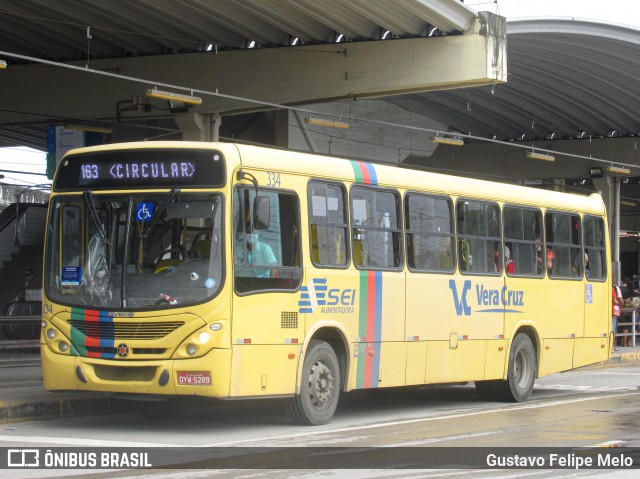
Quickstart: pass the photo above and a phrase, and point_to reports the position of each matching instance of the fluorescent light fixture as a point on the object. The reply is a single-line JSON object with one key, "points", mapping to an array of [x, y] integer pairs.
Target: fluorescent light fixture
{"points": [[3, 64], [168, 95], [540, 156], [618, 170], [323, 122], [628, 203], [445, 140], [596, 172], [91, 128]]}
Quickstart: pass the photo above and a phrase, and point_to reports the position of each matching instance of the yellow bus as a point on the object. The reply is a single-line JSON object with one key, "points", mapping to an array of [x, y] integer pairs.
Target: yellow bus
{"points": [[234, 271]]}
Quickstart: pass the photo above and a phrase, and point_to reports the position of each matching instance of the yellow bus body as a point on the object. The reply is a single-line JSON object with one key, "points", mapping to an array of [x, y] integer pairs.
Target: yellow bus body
{"points": [[419, 338]]}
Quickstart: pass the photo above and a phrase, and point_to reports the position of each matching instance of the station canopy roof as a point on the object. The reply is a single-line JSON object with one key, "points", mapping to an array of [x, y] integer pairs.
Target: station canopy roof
{"points": [[568, 78]]}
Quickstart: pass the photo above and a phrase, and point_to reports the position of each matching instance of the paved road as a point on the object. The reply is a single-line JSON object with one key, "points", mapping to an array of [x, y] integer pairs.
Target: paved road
{"points": [[585, 408]]}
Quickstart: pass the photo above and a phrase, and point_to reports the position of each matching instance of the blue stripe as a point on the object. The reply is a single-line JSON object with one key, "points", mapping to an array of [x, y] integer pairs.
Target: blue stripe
{"points": [[372, 173]]}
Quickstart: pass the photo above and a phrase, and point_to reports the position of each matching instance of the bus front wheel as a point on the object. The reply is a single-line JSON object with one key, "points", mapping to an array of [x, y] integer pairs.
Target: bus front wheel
{"points": [[320, 386]]}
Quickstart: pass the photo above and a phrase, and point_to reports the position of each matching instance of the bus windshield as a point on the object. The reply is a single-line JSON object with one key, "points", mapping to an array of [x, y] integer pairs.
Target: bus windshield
{"points": [[134, 251]]}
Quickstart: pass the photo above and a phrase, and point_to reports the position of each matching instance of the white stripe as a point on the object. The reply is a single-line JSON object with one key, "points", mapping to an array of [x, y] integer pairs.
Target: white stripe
{"points": [[427, 419]]}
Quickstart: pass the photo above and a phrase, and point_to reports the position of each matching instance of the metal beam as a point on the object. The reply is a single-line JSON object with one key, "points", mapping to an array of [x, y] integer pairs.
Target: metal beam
{"points": [[288, 75]]}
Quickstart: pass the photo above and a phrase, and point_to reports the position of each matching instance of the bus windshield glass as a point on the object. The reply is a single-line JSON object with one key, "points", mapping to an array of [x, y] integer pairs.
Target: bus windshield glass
{"points": [[134, 252]]}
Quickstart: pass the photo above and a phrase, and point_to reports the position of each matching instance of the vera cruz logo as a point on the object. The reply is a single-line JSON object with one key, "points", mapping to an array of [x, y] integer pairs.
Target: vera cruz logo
{"points": [[502, 300], [460, 301], [331, 301]]}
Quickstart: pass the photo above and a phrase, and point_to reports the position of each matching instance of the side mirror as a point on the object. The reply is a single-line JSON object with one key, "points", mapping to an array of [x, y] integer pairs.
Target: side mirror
{"points": [[261, 212]]}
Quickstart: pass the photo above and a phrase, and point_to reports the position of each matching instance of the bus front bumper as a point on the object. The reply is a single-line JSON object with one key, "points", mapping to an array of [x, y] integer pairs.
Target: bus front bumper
{"points": [[208, 375]]}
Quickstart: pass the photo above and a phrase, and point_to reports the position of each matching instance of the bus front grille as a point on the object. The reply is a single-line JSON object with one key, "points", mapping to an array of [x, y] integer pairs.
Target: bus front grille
{"points": [[125, 373], [125, 330]]}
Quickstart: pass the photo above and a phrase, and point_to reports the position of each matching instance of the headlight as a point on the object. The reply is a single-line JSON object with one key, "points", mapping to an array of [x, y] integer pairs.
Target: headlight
{"points": [[191, 349], [51, 334]]}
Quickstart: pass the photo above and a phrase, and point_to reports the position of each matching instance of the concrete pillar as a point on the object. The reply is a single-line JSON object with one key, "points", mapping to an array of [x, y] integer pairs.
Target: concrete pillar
{"points": [[198, 126]]}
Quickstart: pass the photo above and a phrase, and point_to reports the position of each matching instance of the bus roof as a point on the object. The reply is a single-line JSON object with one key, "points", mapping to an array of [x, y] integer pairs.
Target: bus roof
{"points": [[343, 169]]}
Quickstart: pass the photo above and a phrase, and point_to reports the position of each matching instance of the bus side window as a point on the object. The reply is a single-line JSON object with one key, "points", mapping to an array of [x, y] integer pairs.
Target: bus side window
{"points": [[266, 258], [564, 241], [328, 224], [594, 248], [479, 239], [376, 228], [522, 233], [429, 230]]}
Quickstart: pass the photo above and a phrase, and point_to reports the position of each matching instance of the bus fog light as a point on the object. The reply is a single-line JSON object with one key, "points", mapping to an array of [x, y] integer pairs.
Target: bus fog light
{"points": [[204, 338], [51, 333], [191, 349], [215, 327], [63, 346]]}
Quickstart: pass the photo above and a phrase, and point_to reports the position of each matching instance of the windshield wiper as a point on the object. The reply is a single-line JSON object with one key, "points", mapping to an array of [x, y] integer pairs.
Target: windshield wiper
{"points": [[168, 200], [93, 212]]}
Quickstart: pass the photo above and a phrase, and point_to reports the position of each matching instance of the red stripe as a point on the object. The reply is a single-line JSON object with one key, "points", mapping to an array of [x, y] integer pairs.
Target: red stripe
{"points": [[366, 179], [91, 354], [91, 315]]}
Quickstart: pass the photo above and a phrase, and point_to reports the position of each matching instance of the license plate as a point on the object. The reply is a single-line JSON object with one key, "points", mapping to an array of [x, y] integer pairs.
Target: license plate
{"points": [[194, 378]]}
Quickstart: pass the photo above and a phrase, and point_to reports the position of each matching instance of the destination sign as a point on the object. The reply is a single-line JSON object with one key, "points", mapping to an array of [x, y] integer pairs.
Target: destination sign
{"points": [[159, 170], [141, 168]]}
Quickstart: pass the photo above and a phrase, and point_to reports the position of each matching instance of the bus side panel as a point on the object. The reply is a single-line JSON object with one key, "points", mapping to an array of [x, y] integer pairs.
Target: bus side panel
{"points": [[429, 304], [597, 324], [416, 362], [453, 361], [587, 348], [495, 359], [556, 356], [264, 370]]}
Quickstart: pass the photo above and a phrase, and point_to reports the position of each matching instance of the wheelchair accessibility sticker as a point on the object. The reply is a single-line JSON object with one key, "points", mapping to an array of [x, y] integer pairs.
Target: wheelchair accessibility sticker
{"points": [[144, 211]]}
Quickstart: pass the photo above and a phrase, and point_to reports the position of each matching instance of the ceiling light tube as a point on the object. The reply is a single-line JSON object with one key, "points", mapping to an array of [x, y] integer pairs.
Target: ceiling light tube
{"points": [[91, 128], [329, 123], [618, 170], [445, 140], [628, 203], [167, 95], [540, 156], [3, 64]]}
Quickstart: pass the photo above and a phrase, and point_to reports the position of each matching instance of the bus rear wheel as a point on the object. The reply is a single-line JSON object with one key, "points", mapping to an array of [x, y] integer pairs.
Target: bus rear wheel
{"points": [[520, 377], [320, 387]]}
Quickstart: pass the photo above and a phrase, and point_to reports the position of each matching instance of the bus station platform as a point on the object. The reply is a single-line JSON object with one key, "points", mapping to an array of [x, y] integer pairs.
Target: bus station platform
{"points": [[23, 397]]}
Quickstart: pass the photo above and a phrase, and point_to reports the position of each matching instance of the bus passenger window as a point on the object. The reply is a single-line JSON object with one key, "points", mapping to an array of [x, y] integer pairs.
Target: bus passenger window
{"points": [[522, 233], [328, 224], [594, 248], [564, 240], [376, 228], [479, 237], [429, 223]]}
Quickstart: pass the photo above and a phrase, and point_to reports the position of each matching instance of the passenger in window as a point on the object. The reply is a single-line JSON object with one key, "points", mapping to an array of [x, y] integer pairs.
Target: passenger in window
{"points": [[538, 255], [259, 253], [509, 264], [550, 258], [587, 266]]}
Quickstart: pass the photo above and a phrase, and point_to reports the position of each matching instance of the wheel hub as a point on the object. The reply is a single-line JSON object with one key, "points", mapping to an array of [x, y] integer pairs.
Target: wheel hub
{"points": [[320, 384]]}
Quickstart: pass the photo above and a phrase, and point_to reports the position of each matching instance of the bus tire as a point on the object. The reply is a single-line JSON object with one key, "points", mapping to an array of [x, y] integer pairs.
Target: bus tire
{"points": [[522, 371], [319, 388], [487, 390]]}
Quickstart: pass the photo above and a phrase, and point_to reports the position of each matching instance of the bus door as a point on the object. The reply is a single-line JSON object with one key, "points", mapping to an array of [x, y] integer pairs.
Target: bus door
{"points": [[267, 328]]}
